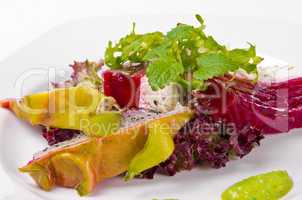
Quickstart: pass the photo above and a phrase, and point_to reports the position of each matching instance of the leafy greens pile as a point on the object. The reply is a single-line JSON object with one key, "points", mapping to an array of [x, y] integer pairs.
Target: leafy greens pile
{"points": [[185, 55]]}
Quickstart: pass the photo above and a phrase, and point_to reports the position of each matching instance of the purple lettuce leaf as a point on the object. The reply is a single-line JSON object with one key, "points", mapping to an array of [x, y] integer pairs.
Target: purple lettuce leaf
{"points": [[57, 135], [204, 141], [84, 73]]}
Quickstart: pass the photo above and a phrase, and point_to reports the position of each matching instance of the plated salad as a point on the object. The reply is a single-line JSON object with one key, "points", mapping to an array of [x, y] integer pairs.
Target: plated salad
{"points": [[158, 103]]}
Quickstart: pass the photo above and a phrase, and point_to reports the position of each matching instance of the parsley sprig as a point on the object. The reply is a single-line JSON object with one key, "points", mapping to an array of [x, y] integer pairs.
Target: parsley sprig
{"points": [[183, 50]]}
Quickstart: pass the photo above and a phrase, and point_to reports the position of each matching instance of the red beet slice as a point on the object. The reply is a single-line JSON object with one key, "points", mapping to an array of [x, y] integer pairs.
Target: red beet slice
{"points": [[123, 87], [270, 107]]}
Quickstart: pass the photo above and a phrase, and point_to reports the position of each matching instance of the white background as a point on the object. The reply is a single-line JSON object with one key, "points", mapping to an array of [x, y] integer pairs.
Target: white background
{"points": [[22, 21]]}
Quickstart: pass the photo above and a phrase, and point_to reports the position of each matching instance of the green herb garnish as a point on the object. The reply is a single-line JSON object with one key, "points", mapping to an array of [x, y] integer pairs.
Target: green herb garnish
{"points": [[183, 50]]}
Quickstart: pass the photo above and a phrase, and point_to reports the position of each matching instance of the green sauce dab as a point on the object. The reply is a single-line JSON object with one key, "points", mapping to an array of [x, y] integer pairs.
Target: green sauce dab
{"points": [[269, 186]]}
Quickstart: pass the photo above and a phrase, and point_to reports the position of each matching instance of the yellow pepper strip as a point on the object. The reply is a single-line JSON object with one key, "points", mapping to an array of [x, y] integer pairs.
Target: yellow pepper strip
{"points": [[158, 148]]}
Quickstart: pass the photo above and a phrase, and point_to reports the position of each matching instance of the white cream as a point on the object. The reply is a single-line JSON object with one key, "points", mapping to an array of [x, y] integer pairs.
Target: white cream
{"points": [[275, 70], [164, 100]]}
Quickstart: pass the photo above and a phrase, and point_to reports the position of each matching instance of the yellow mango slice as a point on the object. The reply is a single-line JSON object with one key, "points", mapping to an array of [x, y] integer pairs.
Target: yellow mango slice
{"points": [[86, 162], [41, 175], [74, 171], [67, 108]]}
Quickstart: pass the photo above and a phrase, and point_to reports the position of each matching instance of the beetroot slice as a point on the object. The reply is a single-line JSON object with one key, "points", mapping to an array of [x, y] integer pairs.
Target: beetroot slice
{"points": [[269, 107], [123, 87]]}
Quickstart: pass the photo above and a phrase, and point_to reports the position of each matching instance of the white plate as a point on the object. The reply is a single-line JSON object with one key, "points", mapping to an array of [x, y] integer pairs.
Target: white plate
{"points": [[87, 38]]}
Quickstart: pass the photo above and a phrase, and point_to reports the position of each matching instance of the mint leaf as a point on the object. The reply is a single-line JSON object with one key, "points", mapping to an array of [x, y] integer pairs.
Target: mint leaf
{"points": [[213, 65], [113, 61], [185, 32], [200, 20], [181, 32], [163, 71], [212, 45], [189, 42], [136, 51], [184, 50], [161, 51], [245, 58], [132, 47]]}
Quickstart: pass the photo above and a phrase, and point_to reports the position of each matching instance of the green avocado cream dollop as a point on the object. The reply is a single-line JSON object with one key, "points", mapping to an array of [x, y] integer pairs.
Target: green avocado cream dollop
{"points": [[269, 186]]}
